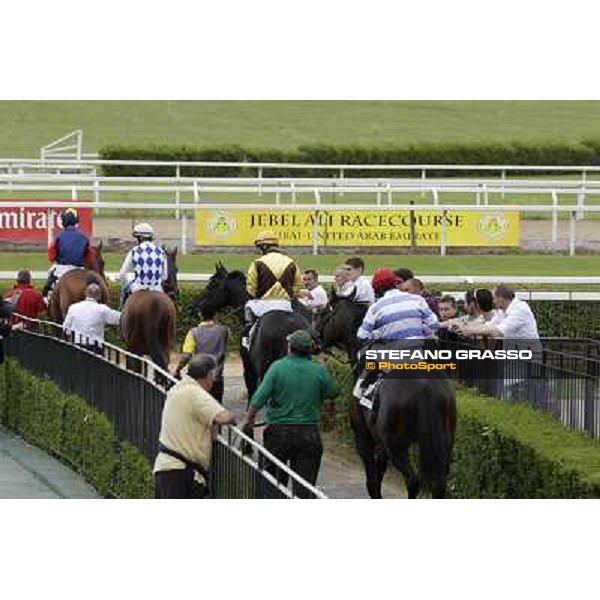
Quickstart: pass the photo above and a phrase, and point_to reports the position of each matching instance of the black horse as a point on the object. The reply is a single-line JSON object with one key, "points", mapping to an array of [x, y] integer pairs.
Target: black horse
{"points": [[338, 325], [228, 289], [409, 411]]}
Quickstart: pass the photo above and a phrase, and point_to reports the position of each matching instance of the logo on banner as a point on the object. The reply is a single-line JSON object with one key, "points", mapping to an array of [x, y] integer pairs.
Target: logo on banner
{"points": [[221, 225], [493, 226], [32, 224]]}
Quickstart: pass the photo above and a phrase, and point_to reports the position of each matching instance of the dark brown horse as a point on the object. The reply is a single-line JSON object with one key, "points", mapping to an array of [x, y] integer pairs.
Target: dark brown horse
{"points": [[71, 286], [148, 318], [408, 412]]}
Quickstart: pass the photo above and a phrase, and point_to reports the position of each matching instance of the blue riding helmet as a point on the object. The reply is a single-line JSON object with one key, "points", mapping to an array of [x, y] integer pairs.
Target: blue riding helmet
{"points": [[69, 218]]}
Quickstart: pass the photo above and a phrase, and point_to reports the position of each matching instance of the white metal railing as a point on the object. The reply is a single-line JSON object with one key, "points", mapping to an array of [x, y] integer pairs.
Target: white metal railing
{"points": [[436, 279], [67, 147], [340, 168], [114, 357]]}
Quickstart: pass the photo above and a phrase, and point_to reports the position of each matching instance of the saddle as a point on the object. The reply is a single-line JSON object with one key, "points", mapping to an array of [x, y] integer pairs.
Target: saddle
{"points": [[367, 392]]}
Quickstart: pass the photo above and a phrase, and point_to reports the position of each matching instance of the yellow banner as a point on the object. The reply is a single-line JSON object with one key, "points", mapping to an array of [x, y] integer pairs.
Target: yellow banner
{"points": [[357, 228]]}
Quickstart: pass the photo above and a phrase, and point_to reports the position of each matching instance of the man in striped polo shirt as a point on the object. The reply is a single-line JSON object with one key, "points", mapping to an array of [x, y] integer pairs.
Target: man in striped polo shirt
{"points": [[395, 317]]}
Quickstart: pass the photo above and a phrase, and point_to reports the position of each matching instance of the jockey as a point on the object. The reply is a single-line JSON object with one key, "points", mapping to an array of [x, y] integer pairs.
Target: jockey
{"points": [[273, 280], [147, 260], [397, 318], [69, 250]]}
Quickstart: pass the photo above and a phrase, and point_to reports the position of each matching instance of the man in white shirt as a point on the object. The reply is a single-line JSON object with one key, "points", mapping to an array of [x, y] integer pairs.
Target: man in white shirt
{"points": [[364, 289], [86, 319], [313, 296], [516, 325], [513, 321]]}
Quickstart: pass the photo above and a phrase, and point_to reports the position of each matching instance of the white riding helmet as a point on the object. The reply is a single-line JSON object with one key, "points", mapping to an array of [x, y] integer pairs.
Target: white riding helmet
{"points": [[143, 230]]}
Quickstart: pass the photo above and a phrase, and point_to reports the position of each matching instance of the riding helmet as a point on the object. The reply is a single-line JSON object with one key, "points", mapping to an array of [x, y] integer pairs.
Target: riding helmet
{"points": [[143, 230], [384, 278], [266, 238], [69, 217]]}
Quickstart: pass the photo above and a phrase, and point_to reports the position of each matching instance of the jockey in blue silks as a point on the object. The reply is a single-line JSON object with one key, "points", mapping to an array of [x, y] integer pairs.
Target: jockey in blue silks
{"points": [[69, 250], [147, 260]]}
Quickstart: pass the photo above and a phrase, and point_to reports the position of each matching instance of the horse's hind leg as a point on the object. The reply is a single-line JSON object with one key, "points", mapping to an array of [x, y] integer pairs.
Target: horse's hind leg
{"points": [[374, 467], [401, 460], [373, 471]]}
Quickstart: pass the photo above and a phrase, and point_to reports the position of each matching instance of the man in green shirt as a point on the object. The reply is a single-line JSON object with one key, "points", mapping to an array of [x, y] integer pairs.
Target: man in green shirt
{"points": [[292, 392]]}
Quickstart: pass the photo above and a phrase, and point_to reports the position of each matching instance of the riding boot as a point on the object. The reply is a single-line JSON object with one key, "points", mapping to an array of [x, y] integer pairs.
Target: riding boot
{"points": [[250, 320], [125, 292], [52, 279]]}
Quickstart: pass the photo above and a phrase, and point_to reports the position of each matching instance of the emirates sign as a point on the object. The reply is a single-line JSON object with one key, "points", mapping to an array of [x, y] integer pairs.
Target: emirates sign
{"points": [[31, 224]]}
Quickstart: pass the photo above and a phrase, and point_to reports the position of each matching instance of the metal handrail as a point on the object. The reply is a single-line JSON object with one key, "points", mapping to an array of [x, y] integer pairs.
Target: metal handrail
{"points": [[308, 207], [325, 167], [151, 367]]}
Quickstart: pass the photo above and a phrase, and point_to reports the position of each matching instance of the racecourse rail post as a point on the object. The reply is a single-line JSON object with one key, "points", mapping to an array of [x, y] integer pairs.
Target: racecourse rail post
{"points": [[341, 182], [444, 233], [196, 193], [423, 180], [436, 197], [315, 240], [50, 220], [572, 233], [177, 190], [413, 236], [554, 216], [183, 233], [260, 176], [96, 194]]}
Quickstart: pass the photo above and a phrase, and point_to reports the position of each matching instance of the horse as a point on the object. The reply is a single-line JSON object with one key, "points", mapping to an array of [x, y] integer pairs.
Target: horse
{"points": [[70, 288], [337, 326], [407, 412], [148, 318], [228, 289]]}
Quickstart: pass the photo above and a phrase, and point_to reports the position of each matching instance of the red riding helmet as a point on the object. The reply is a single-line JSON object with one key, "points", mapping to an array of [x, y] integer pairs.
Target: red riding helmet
{"points": [[384, 278]]}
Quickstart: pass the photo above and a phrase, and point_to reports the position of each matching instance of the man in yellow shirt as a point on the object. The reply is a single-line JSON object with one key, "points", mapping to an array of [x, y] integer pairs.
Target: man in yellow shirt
{"points": [[181, 469], [273, 280]]}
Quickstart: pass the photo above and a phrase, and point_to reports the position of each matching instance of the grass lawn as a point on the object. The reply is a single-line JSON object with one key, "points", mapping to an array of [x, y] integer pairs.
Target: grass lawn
{"points": [[28, 125], [525, 265]]}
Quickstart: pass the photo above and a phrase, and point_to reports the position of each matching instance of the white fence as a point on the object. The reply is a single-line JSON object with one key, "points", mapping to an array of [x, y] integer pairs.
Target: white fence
{"points": [[262, 168], [472, 280]]}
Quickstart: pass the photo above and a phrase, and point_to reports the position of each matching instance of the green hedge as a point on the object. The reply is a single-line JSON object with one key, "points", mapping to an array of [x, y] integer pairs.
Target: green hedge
{"points": [[66, 426], [512, 451], [505, 450], [587, 152]]}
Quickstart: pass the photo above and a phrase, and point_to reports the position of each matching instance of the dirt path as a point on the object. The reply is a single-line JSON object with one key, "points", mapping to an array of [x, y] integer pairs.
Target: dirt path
{"points": [[341, 474]]}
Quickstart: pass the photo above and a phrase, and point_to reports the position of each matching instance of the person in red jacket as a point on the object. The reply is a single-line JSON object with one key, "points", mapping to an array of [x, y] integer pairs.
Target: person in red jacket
{"points": [[27, 301]]}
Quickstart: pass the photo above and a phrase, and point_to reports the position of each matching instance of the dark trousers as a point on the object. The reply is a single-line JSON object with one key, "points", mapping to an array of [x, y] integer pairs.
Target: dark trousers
{"points": [[298, 446], [178, 484], [216, 391]]}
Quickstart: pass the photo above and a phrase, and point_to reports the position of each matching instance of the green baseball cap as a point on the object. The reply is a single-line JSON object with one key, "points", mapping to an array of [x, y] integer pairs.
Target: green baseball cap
{"points": [[300, 339]]}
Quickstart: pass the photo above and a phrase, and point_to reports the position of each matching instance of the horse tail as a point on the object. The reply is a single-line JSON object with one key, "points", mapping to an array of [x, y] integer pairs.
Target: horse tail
{"points": [[152, 329], [434, 445]]}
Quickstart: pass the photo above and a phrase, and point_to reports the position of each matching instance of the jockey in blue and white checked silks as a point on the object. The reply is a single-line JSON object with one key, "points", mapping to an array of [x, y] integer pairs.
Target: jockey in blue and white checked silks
{"points": [[147, 260]]}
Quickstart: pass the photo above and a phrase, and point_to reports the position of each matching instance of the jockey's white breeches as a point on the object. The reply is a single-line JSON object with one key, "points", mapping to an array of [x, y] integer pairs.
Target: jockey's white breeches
{"points": [[60, 270], [260, 307], [136, 286]]}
